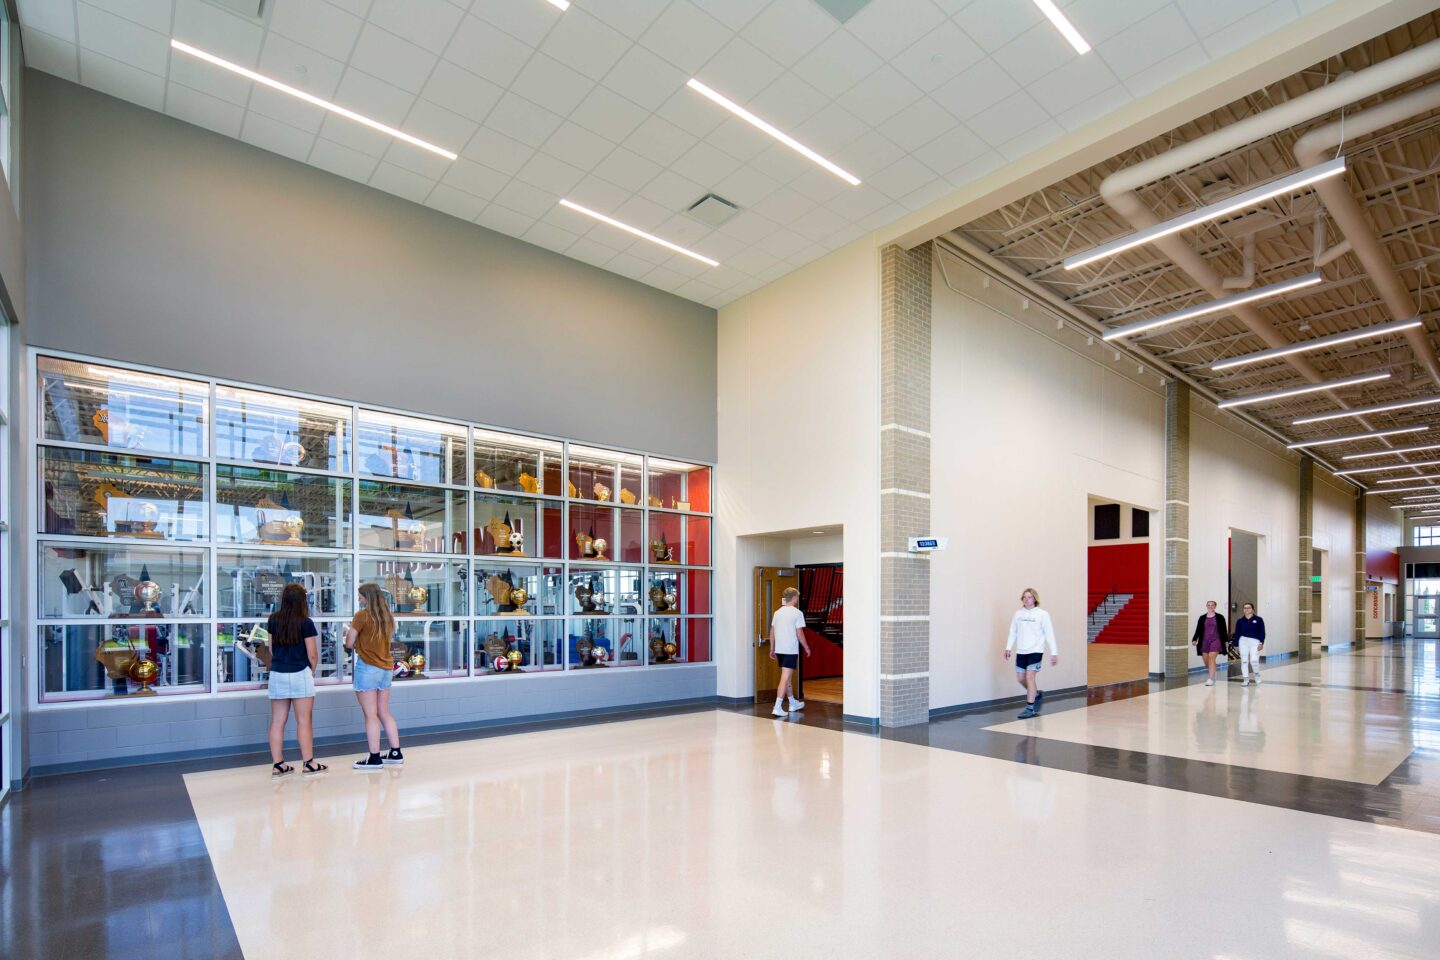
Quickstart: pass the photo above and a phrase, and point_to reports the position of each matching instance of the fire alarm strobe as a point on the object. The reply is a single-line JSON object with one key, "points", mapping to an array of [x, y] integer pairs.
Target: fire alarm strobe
{"points": [[928, 544]]}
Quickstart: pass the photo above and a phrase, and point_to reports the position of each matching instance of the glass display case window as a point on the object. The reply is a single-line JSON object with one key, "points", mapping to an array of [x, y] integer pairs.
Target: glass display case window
{"points": [[249, 582], [594, 643], [518, 645], [606, 476], [514, 464], [679, 486], [408, 448], [87, 493], [394, 516], [129, 410], [276, 509], [517, 589], [101, 660], [516, 527], [430, 648], [697, 541], [275, 429], [600, 533], [604, 591], [81, 580], [678, 640], [242, 658], [420, 588]]}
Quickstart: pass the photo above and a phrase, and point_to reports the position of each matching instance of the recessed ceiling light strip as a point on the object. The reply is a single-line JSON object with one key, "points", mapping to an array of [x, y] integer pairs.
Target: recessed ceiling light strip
{"points": [[1301, 391], [1393, 451], [308, 98], [639, 233], [1216, 306], [783, 137], [1294, 183], [1320, 343], [1063, 24], [1353, 437], [1365, 411]]}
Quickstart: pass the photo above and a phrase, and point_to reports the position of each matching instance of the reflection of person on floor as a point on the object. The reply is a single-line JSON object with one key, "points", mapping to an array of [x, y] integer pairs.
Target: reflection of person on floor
{"points": [[1030, 633], [1251, 736], [786, 638], [1211, 734], [1031, 787], [1209, 639], [1250, 634]]}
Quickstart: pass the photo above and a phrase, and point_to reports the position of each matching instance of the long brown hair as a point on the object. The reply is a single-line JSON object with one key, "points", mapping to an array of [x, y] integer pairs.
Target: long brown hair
{"points": [[287, 624], [379, 610]]}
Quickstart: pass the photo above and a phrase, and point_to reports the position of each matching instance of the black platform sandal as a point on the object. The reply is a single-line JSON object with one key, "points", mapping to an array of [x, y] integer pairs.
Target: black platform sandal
{"points": [[312, 768], [280, 769]]}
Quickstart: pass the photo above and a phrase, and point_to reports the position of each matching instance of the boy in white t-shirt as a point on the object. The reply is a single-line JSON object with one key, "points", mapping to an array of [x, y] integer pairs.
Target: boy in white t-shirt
{"points": [[786, 638]]}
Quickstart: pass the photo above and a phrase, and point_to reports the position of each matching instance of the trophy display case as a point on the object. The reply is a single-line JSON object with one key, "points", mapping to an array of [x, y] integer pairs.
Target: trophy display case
{"points": [[511, 463], [517, 589], [678, 640], [524, 645], [665, 539], [88, 493], [420, 588], [243, 654], [604, 591], [139, 659], [606, 642], [506, 526], [394, 516], [278, 509], [270, 428], [114, 580], [429, 648], [605, 476], [679, 486], [407, 448], [248, 583], [120, 409], [697, 541], [693, 592], [601, 534]]}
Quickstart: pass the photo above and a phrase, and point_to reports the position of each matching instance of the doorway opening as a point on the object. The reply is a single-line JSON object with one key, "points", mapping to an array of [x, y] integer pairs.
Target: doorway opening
{"points": [[822, 598], [1117, 625], [1318, 619], [812, 561], [1244, 581]]}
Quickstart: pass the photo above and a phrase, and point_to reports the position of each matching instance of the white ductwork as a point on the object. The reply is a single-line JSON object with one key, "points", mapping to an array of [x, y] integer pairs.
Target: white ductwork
{"points": [[1351, 220]]}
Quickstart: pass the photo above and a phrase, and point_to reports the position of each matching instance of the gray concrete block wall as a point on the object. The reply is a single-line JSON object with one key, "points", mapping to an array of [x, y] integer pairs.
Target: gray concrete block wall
{"points": [[1361, 596], [1177, 530], [1304, 596], [110, 733]]}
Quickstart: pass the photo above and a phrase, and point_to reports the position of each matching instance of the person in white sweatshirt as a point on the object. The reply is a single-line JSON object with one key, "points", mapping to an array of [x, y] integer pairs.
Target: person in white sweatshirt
{"points": [[1030, 633]]}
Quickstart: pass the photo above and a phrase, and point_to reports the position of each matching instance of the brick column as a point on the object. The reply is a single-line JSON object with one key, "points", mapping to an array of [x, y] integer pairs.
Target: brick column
{"points": [[1307, 555], [904, 484], [1361, 597], [1177, 531]]}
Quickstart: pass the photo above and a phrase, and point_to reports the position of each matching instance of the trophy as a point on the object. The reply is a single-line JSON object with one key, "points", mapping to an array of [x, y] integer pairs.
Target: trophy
{"points": [[661, 650], [591, 546], [483, 479], [602, 492], [143, 671], [416, 663], [509, 599], [530, 484], [292, 454], [117, 662], [277, 524], [115, 429], [509, 542], [654, 501], [591, 599], [148, 593], [496, 653], [626, 497], [661, 602], [570, 486], [516, 658], [417, 596], [131, 517], [661, 551], [408, 532]]}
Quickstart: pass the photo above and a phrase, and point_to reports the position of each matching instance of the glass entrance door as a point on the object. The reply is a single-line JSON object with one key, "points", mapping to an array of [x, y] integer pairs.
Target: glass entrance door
{"points": [[1425, 609]]}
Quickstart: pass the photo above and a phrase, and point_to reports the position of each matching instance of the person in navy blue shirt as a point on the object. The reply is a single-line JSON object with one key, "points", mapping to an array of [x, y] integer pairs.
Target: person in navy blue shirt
{"points": [[1250, 634]]}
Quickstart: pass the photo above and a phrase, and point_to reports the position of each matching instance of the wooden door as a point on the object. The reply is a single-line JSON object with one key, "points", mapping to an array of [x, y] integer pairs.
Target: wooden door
{"points": [[770, 583]]}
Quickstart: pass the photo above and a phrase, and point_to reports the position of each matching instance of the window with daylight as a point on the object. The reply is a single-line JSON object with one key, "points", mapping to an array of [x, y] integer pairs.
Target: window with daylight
{"points": [[1425, 537]]}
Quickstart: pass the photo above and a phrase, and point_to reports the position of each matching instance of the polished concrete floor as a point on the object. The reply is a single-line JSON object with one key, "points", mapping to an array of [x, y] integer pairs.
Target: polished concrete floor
{"points": [[718, 833]]}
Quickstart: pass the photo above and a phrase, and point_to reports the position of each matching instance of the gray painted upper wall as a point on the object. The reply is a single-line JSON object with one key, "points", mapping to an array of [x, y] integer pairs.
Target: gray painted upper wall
{"points": [[155, 241]]}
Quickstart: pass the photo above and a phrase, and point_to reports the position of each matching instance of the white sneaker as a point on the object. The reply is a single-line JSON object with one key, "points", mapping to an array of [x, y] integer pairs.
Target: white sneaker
{"points": [[1257, 679], [779, 710], [1209, 683], [797, 704], [1245, 682]]}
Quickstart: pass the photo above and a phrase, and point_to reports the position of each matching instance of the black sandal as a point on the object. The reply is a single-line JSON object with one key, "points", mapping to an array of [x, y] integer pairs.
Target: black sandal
{"points": [[311, 767], [280, 769]]}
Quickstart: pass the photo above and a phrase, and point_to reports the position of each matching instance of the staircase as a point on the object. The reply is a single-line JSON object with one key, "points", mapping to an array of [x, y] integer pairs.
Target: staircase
{"points": [[1119, 618]]}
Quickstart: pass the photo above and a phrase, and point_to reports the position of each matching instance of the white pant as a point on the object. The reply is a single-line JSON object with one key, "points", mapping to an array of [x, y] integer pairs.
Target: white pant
{"points": [[1249, 654]]}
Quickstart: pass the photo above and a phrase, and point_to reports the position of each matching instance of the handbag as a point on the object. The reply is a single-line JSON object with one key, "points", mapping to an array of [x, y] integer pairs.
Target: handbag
{"points": [[1232, 649]]}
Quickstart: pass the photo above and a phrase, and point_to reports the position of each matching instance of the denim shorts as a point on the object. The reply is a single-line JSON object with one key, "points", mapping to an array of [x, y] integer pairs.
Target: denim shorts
{"points": [[369, 677], [292, 686]]}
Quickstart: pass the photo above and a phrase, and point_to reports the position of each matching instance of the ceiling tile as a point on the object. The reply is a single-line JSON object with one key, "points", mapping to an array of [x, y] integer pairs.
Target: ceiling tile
{"points": [[154, 14], [787, 103], [740, 70], [1036, 52], [780, 163], [903, 176], [630, 17], [735, 14], [782, 242], [461, 91], [51, 55], [1160, 35], [1096, 107], [528, 20], [457, 203], [627, 169], [685, 36], [373, 97], [642, 213], [549, 174], [871, 152], [401, 182], [426, 23], [524, 121], [598, 194], [1099, 20], [889, 26], [286, 109], [578, 146], [672, 191], [644, 78], [746, 187], [396, 61], [857, 203], [1167, 71], [739, 139], [121, 40], [1204, 16], [316, 24], [917, 124], [47, 16], [361, 8], [497, 151], [203, 110], [217, 31], [784, 205], [504, 220], [1031, 140], [748, 226], [432, 122], [697, 289], [342, 160], [608, 114], [838, 63], [819, 185], [885, 215], [880, 96], [1008, 118], [977, 168], [789, 29], [975, 89], [1072, 84], [198, 75], [426, 164], [550, 237], [1266, 19], [277, 137], [692, 113], [487, 52], [938, 56], [301, 67], [550, 83], [474, 179], [591, 252], [687, 232], [355, 136], [953, 148], [994, 23], [122, 80], [523, 198], [659, 140], [584, 43], [705, 164], [629, 265]]}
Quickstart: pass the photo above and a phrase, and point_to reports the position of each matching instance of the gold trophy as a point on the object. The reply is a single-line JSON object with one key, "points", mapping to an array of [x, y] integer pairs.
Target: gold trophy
{"points": [[661, 602], [417, 596], [416, 663], [495, 652], [143, 671], [530, 484], [508, 541], [602, 492], [509, 600], [135, 518], [661, 551], [148, 593], [408, 532], [483, 479], [278, 525], [626, 497], [654, 501], [661, 650]]}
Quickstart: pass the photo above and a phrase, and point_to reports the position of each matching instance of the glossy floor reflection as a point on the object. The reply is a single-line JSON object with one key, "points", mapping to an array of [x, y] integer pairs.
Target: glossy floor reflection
{"points": [[711, 835]]}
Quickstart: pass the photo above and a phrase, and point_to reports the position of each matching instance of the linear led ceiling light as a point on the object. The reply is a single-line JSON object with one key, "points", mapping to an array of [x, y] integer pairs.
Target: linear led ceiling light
{"points": [[562, 4], [1380, 329], [784, 138], [1365, 411], [1388, 466], [639, 233], [1434, 490], [308, 98], [1216, 306], [1066, 28], [1391, 452], [1308, 388], [1352, 437], [1422, 476], [1294, 183]]}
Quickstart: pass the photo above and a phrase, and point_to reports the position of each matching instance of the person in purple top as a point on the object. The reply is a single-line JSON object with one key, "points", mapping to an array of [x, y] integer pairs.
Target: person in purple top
{"points": [[1209, 639]]}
